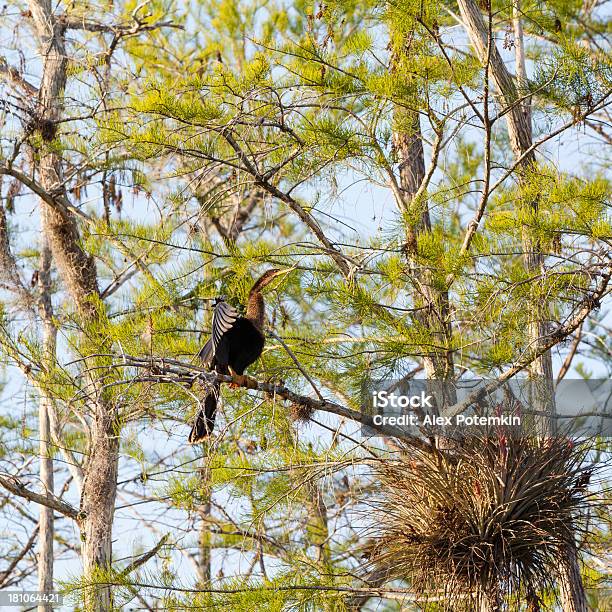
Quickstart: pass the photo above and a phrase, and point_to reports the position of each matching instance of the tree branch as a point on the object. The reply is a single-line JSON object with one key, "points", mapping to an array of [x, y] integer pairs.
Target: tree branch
{"points": [[15, 486], [8, 266], [145, 557], [178, 372], [24, 551], [122, 29], [263, 182], [10, 74], [57, 201], [557, 335]]}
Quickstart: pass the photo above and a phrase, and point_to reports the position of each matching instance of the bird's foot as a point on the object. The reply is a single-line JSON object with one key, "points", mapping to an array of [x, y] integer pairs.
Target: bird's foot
{"points": [[239, 381]]}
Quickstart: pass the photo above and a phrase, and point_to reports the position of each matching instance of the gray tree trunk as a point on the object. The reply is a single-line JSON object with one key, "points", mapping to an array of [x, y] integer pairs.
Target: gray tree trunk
{"points": [[45, 538], [78, 272], [571, 590], [52, 85], [518, 120], [205, 556], [46, 527]]}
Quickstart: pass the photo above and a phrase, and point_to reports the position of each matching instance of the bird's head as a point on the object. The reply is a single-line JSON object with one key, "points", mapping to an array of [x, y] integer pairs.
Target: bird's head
{"points": [[267, 277]]}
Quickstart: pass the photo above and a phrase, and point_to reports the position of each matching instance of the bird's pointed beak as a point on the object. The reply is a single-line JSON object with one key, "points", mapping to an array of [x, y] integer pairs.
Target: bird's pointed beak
{"points": [[287, 270], [282, 274]]}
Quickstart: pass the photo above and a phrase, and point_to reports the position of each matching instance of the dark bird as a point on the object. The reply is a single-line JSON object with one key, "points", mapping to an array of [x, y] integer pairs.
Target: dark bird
{"points": [[235, 343]]}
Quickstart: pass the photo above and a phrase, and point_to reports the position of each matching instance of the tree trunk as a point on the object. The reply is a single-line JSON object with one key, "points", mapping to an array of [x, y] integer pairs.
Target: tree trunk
{"points": [[205, 557], [434, 313], [519, 130], [78, 273], [98, 505], [571, 589], [521, 64], [45, 538], [518, 120], [434, 316], [46, 528], [539, 327], [52, 85]]}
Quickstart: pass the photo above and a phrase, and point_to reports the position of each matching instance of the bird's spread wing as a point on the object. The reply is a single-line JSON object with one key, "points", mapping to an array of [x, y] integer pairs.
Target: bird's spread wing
{"points": [[224, 317], [206, 353]]}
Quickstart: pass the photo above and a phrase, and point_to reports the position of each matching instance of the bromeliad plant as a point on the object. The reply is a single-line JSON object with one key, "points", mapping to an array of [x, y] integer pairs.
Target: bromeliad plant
{"points": [[488, 521]]}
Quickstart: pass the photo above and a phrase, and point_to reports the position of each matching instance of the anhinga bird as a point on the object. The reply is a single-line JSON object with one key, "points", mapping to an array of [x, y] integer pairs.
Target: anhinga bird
{"points": [[235, 343]]}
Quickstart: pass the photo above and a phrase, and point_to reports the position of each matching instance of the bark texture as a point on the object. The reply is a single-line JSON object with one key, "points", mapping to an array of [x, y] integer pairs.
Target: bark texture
{"points": [[45, 539], [518, 119], [76, 267], [78, 272], [571, 589], [46, 526], [434, 314], [204, 510]]}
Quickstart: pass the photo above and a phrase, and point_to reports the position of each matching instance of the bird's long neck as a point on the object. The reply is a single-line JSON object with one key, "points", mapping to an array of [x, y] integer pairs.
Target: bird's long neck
{"points": [[255, 310]]}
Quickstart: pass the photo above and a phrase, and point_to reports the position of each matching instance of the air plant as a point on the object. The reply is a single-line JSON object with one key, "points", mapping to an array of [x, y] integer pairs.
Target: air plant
{"points": [[486, 520]]}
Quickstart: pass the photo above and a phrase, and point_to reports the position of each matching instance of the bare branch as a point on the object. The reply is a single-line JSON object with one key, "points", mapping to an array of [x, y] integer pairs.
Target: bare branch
{"points": [[15, 486], [57, 201], [22, 553], [8, 266], [10, 74], [145, 557], [122, 29], [174, 371]]}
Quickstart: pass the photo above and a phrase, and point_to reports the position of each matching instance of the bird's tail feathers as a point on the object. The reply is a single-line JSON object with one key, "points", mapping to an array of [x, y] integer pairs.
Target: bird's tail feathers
{"points": [[205, 419]]}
